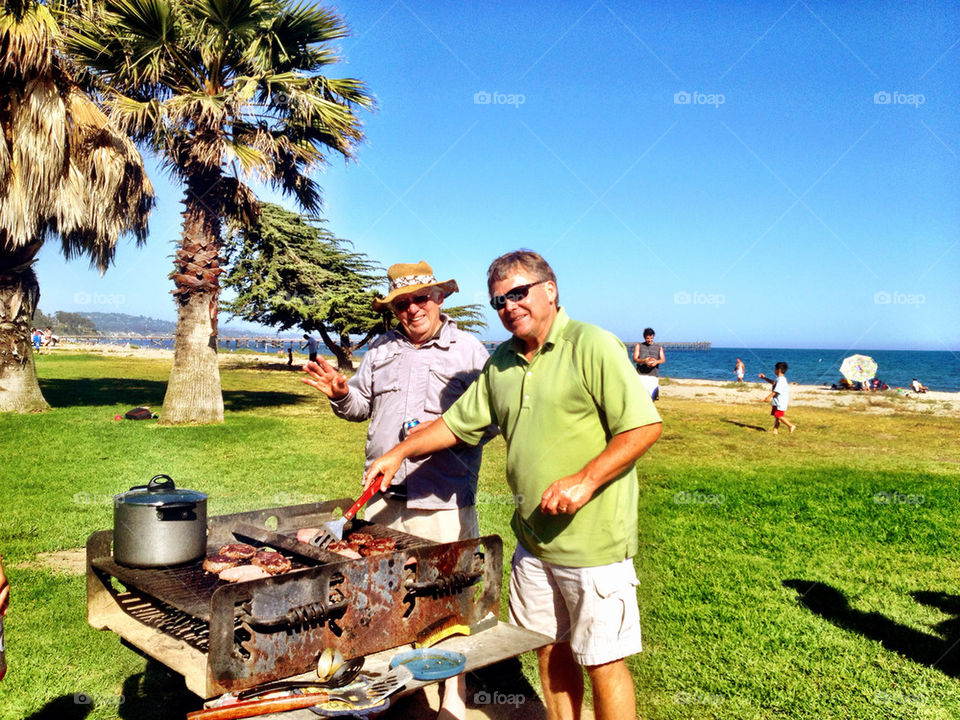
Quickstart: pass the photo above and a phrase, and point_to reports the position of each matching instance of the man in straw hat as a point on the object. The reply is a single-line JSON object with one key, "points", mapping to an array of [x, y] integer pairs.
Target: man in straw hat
{"points": [[414, 373], [576, 418]]}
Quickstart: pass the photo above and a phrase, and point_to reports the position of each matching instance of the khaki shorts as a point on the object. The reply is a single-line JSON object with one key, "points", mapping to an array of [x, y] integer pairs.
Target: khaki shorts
{"points": [[592, 608], [436, 525]]}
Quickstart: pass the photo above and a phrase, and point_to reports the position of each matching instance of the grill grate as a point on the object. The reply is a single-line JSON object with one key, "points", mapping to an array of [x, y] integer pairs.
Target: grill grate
{"points": [[166, 619], [188, 588]]}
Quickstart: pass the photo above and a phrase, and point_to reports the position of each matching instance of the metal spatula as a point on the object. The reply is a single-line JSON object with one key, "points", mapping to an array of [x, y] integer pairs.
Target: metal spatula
{"points": [[333, 530], [375, 693]]}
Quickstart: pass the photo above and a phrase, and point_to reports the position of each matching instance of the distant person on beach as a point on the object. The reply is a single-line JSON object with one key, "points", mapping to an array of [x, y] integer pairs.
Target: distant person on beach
{"points": [[289, 357], [739, 369], [917, 387], [311, 344], [648, 357], [779, 397]]}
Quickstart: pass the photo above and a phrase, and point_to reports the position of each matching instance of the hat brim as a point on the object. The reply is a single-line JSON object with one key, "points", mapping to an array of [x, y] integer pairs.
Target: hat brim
{"points": [[447, 288]]}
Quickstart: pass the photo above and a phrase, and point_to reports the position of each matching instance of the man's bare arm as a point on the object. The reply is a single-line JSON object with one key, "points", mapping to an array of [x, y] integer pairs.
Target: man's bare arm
{"points": [[433, 439], [567, 495]]}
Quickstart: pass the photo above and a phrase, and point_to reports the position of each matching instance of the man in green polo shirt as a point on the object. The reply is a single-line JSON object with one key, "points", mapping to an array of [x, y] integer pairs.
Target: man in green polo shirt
{"points": [[575, 417]]}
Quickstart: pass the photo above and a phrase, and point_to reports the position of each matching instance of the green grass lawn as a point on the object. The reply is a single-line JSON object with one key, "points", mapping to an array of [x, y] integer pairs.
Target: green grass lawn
{"points": [[791, 576]]}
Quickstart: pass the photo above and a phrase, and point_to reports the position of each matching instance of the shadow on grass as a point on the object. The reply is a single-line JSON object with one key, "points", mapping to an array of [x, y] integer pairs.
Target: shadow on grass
{"points": [[142, 691], [939, 652], [65, 707], [61, 393], [156, 693], [135, 392], [745, 425]]}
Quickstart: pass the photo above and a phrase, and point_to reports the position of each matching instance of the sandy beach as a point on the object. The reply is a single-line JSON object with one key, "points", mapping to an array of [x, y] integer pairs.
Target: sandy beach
{"points": [[749, 393]]}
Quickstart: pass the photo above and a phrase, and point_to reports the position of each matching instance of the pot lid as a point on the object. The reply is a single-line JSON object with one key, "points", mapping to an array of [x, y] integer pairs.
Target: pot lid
{"points": [[161, 490]]}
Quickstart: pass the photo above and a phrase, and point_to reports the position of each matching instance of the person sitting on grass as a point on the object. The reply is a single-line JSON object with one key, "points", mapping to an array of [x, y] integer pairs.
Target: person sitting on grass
{"points": [[779, 397]]}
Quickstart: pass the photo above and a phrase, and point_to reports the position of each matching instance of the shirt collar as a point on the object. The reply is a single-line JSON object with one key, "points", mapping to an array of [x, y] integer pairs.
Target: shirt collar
{"points": [[444, 338]]}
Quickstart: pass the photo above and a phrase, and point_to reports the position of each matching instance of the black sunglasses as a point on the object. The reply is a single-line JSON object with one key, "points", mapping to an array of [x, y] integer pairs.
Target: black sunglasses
{"points": [[402, 304], [499, 302]]}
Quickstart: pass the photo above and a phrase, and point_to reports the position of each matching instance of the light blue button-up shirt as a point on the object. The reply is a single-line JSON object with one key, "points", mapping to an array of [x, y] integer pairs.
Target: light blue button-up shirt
{"points": [[397, 381]]}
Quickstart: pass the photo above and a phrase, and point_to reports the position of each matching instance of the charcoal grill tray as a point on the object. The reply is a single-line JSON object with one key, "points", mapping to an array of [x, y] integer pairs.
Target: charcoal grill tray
{"points": [[189, 588]]}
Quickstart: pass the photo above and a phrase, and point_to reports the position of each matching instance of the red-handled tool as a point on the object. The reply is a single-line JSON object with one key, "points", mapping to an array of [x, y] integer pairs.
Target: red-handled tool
{"points": [[333, 530]]}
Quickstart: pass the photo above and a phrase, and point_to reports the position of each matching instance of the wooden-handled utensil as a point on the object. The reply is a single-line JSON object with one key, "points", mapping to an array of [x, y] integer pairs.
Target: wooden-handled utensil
{"points": [[372, 694]]}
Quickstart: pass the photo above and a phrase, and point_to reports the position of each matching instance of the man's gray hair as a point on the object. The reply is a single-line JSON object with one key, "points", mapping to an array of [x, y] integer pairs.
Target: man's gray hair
{"points": [[528, 260]]}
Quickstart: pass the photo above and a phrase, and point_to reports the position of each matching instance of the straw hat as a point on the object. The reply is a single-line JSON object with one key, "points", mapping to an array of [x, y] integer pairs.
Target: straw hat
{"points": [[408, 278]]}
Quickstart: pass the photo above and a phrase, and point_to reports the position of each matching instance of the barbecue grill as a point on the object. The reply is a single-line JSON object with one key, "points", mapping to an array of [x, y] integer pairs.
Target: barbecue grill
{"points": [[225, 637]]}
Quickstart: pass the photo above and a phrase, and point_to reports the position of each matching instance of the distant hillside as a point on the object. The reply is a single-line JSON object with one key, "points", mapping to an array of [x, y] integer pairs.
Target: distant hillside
{"points": [[121, 323], [107, 323]]}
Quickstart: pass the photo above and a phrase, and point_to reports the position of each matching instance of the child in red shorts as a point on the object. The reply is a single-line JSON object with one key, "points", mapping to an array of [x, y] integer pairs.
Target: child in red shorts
{"points": [[779, 397]]}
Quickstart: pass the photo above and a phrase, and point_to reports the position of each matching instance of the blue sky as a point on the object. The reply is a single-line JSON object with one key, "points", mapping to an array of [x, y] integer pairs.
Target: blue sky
{"points": [[759, 174]]}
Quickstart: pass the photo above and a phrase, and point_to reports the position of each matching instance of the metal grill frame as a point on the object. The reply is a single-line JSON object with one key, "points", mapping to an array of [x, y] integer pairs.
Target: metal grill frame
{"points": [[244, 634]]}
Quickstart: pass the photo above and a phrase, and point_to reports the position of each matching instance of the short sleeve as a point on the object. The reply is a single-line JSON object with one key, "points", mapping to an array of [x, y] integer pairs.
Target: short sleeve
{"points": [[612, 381], [471, 415]]}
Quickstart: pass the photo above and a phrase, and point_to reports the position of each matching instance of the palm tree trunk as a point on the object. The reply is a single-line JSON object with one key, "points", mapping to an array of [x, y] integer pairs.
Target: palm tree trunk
{"points": [[19, 294], [194, 394], [193, 391]]}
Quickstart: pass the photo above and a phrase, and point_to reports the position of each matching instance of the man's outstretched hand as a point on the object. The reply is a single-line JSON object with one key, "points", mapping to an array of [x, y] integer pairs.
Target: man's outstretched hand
{"points": [[326, 379]]}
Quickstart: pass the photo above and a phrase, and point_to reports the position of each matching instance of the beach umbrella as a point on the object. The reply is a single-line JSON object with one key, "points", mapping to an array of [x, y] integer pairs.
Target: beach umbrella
{"points": [[858, 368]]}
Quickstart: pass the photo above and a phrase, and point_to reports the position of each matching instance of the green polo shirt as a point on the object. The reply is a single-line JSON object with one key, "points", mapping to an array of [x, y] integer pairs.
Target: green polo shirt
{"points": [[558, 412]]}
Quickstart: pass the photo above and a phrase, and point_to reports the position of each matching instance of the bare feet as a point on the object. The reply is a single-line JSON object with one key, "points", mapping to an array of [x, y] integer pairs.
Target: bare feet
{"points": [[792, 428]]}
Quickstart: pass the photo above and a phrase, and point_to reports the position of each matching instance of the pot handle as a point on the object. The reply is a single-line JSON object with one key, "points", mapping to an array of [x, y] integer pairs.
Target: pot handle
{"points": [[177, 511], [155, 486]]}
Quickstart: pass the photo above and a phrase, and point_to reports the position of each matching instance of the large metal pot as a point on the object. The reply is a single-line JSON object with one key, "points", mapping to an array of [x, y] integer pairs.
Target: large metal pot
{"points": [[156, 524]]}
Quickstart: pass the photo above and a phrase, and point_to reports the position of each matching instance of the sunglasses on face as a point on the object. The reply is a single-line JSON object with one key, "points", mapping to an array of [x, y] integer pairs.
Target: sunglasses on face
{"points": [[499, 302], [404, 303]]}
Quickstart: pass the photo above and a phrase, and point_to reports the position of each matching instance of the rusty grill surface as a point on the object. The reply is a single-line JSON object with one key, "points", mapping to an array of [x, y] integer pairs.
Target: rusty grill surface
{"points": [[270, 628]]}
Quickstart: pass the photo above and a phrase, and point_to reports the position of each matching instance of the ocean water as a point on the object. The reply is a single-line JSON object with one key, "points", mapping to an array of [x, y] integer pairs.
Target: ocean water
{"points": [[936, 370]]}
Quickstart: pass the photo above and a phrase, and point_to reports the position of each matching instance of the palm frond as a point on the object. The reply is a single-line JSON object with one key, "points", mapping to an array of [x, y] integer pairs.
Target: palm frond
{"points": [[28, 38]]}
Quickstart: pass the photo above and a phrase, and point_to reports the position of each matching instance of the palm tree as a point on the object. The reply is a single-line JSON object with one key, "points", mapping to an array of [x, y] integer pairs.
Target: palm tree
{"points": [[222, 90], [65, 171]]}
